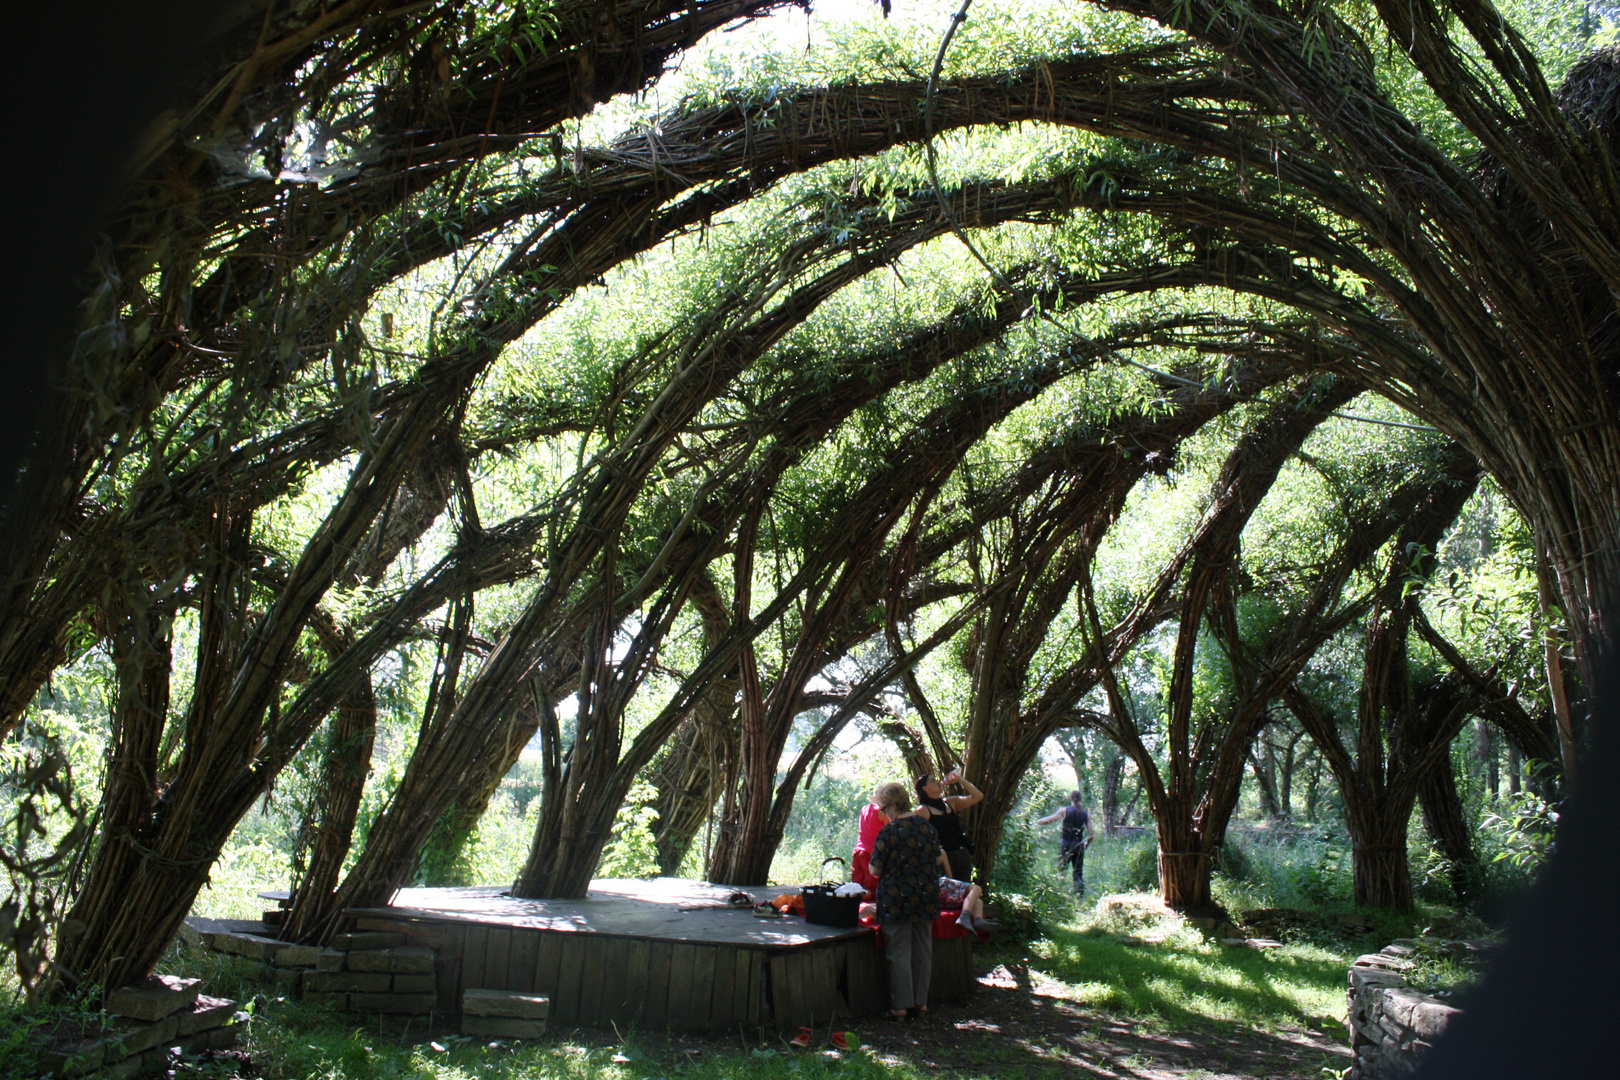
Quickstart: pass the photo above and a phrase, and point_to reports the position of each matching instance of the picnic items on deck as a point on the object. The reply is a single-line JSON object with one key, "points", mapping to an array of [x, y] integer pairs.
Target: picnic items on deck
{"points": [[827, 905]]}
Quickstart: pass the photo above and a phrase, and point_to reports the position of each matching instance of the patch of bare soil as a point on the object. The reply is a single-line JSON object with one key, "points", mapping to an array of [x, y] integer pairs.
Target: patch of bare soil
{"points": [[1017, 1025]]}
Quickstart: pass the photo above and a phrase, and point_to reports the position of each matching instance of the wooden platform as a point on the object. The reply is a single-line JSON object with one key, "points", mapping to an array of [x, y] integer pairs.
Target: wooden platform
{"points": [[663, 954]]}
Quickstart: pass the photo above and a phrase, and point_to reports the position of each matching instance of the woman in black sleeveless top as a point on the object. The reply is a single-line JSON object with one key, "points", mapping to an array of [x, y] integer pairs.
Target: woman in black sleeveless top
{"points": [[941, 810]]}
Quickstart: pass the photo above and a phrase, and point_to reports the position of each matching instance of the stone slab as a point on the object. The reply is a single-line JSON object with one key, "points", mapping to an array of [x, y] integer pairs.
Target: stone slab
{"points": [[363, 982], [137, 1038], [501, 1027], [252, 946], [368, 939], [1364, 979], [405, 959], [75, 1059], [1432, 1018], [414, 984], [394, 1004], [206, 1012], [321, 997], [153, 998], [298, 955], [330, 960], [162, 1059], [121, 1070], [220, 1038], [505, 1003]]}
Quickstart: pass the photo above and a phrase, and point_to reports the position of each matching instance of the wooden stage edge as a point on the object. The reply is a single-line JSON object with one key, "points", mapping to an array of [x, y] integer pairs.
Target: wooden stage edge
{"points": [[665, 954]]}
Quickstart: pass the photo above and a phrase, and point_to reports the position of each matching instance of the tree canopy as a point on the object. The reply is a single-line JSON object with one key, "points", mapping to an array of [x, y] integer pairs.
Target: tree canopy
{"points": [[659, 407]]}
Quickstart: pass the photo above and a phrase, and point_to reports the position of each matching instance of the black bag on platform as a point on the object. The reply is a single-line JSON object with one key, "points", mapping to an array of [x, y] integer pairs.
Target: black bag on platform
{"points": [[824, 909]]}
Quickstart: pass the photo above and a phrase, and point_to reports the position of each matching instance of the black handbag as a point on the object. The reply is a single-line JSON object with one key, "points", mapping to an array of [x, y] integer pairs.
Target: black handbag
{"points": [[824, 909]]}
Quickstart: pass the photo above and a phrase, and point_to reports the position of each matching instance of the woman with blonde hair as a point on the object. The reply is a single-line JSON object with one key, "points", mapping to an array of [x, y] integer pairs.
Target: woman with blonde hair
{"points": [[907, 860]]}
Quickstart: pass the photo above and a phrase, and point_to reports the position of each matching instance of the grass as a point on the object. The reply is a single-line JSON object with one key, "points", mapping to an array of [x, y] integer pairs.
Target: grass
{"points": [[1184, 980], [304, 1043]]}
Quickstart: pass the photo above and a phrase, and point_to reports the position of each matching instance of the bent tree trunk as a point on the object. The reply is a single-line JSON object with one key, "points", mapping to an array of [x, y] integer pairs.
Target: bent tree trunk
{"points": [[1113, 772], [1447, 826], [329, 823]]}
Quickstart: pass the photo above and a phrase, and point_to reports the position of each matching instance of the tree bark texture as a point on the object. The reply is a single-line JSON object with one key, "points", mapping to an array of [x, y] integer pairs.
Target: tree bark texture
{"points": [[1447, 826]]}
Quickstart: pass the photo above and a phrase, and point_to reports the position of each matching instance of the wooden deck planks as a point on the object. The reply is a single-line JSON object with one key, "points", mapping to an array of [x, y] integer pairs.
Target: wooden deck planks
{"points": [[570, 971], [659, 954], [825, 961], [787, 1009], [636, 988], [525, 950], [657, 910], [593, 964], [497, 953], [615, 1005], [472, 957], [723, 1002], [682, 1011], [867, 978], [704, 961], [547, 959], [453, 960], [660, 968]]}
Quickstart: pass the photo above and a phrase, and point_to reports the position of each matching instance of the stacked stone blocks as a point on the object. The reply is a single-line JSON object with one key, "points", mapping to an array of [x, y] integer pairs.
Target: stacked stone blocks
{"points": [[374, 972], [153, 1024], [1391, 1024], [504, 1014]]}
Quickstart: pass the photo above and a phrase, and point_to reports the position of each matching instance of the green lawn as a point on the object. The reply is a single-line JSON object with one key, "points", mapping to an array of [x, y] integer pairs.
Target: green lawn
{"points": [[1184, 980]]}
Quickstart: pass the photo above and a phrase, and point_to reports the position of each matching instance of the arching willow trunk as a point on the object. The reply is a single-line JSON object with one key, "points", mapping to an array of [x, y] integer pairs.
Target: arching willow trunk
{"points": [[329, 822], [1444, 821]]}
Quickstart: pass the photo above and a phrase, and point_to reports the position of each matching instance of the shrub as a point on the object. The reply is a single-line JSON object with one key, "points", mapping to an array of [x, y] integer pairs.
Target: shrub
{"points": [[1136, 868]]}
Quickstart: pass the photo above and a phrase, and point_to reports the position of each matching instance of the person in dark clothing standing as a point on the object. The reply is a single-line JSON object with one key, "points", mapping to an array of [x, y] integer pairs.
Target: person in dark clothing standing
{"points": [[907, 860], [1074, 838], [941, 811]]}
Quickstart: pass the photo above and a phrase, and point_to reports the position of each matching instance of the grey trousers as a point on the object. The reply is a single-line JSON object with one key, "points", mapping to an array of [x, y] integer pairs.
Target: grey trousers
{"points": [[910, 948]]}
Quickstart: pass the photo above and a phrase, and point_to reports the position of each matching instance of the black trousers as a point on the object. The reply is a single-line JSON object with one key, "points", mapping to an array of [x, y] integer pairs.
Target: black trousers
{"points": [[1075, 856]]}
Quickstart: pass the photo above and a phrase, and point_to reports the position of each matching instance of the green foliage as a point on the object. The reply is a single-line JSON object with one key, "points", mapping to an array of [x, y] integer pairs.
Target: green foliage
{"points": [[1439, 971], [1029, 882], [1524, 832], [1307, 868], [1136, 866], [633, 851], [823, 825], [29, 1028], [51, 830]]}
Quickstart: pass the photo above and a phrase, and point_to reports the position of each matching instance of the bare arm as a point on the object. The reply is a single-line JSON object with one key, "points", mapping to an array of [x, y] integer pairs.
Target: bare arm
{"points": [[1049, 818], [962, 802]]}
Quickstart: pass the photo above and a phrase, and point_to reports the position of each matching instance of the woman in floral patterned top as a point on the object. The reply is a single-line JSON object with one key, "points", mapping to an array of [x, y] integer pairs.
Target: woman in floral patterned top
{"points": [[907, 860]]}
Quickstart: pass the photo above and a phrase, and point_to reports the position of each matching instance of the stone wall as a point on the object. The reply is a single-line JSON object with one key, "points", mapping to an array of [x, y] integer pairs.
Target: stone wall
{"points": [[1391, 1024], [153, 1026]]}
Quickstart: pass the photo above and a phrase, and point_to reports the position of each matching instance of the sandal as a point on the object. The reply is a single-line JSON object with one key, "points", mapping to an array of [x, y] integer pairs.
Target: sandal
{"points": [[802, 1039], [841, 1040], [766, 911], [899, 1016]]}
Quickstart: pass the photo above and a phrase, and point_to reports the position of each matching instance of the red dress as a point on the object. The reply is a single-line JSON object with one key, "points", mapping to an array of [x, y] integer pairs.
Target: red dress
{"points": [[872, 822]]}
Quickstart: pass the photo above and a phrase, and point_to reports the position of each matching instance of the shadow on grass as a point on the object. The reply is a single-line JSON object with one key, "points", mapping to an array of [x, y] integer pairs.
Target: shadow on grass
{"points": [[1023, 1023], [1183, 982]]}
